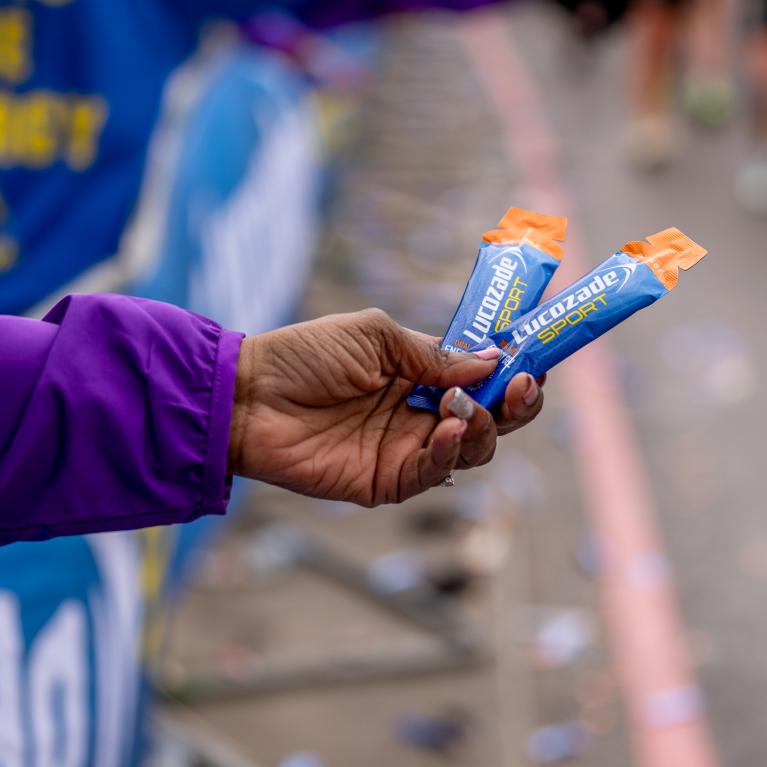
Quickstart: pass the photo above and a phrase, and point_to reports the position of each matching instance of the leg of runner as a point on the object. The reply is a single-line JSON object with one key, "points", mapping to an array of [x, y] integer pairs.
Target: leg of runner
{"points": [[651, 135]]}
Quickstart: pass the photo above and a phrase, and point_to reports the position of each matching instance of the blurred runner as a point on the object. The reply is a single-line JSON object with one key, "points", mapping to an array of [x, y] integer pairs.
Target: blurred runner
{"points": [[751, 181], [673, 40]]}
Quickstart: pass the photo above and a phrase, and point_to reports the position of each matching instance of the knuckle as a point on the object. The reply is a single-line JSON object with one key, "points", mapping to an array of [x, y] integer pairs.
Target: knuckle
{"points": [[438, 358], [516, 418], [488, 455], [381, 327], [488, 430], [376, 317]]}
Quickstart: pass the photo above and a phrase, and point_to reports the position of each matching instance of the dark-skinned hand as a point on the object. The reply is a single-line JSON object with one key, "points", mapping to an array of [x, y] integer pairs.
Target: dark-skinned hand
{"points": [[321, 409]]}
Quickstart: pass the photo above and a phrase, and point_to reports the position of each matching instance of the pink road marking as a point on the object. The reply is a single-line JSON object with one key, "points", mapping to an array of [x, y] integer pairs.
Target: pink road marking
{"points": [[663, 704]]}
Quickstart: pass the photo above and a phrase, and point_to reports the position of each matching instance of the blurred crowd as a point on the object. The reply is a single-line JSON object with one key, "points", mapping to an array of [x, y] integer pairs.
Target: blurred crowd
{"points": [[700, 60]]}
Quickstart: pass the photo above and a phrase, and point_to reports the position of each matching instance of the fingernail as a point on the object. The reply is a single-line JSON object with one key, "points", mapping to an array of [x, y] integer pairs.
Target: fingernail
{"points": [[462, 405], [461, 431], [531, 393], [491, 353]]}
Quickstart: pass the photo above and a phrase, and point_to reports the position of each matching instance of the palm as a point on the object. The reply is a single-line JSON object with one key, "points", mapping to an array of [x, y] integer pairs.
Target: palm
{"points": [[346, 431]]}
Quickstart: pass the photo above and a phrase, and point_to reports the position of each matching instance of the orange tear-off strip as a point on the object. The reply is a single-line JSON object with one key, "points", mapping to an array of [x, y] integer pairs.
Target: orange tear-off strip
{"points": [[666, 253], [519, 226]]}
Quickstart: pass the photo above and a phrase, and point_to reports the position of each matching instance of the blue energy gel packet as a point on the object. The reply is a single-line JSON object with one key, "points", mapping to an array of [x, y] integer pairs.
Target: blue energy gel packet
{"points": [[514, 265], [634, 277]]}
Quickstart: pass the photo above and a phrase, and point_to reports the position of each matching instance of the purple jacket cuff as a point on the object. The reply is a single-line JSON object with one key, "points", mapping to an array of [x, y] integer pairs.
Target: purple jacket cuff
{"points": [[217, 483], [114, 414]]}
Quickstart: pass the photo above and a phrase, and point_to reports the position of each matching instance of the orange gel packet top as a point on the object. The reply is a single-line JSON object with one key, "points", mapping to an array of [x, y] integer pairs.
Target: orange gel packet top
{"points": [[666, 253], [519, 226]]}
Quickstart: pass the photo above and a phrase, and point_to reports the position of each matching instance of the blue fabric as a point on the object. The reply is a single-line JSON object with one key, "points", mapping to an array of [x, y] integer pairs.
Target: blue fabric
{"points": [[211, 165], [244, 103], [80, 93], [70, 618], [66, 210]]}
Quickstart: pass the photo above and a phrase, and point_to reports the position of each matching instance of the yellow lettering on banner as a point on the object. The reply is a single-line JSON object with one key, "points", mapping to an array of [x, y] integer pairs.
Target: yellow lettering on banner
{"points": [[39, 128], [86, 119], [35, 130], [5, 127], [15, 40], [158, 545]]}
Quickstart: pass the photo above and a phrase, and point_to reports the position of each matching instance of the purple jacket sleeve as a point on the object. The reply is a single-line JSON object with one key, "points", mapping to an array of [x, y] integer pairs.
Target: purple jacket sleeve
{"points": [[114, 414]]}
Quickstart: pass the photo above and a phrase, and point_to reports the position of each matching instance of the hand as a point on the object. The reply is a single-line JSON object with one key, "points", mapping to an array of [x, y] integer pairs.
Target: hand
{"points": [[320, 408]]}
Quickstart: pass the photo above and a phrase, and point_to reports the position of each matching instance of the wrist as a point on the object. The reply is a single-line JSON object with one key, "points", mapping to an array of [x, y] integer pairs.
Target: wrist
{"points": [[243, 399]]}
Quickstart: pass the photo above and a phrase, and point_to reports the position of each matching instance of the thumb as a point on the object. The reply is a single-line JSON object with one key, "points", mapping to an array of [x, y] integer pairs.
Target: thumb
{"points": [[419, 358]]}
